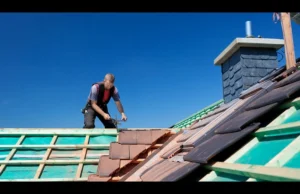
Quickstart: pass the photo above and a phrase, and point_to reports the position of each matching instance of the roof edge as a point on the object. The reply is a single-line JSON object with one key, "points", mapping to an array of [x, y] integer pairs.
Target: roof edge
{"points": [[247, 42]]}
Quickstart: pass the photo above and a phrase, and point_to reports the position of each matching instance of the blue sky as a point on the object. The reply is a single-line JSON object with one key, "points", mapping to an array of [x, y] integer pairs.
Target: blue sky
{"points": [[163, 63]]}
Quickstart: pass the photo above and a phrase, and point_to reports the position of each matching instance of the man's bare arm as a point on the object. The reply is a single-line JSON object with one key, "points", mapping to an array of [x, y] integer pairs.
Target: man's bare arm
{"points": [[119, 106]]}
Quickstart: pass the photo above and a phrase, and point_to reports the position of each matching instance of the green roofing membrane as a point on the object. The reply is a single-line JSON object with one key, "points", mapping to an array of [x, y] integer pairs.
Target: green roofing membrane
{"points": [[294, 162], [293, 118], [265, 150]]}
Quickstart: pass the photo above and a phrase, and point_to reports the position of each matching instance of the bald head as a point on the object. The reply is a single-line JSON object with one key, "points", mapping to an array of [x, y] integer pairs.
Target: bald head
{"points": [[109, 80], [110, 77]]}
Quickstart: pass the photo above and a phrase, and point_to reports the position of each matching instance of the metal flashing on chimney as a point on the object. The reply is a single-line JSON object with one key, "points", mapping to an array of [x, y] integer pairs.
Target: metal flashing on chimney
{"points": [[248, 42]]}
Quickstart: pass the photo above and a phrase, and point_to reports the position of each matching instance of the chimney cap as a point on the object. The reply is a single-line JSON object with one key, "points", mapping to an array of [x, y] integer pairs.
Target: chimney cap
{"points": [[247, 42]]}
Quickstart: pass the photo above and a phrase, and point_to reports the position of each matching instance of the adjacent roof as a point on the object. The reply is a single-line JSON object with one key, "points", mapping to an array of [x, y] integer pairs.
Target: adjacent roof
{"points": [[198, 115]]}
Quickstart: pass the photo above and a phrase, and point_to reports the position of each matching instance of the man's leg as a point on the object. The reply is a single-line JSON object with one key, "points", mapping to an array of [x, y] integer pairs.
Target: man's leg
{"points": [[89, 118]]}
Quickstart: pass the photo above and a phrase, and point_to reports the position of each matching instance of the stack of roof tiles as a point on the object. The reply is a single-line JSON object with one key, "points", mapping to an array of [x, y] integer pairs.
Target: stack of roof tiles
{"points": [[224, 127], [132, 147]]}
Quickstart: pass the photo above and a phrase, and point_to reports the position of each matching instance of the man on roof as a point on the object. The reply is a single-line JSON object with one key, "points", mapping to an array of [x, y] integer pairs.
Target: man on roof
{"points": [[100, 95]]}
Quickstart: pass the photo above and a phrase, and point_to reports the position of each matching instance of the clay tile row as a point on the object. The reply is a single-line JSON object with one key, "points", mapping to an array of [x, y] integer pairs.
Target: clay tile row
{"points": [[142, 137], [125, 152]]}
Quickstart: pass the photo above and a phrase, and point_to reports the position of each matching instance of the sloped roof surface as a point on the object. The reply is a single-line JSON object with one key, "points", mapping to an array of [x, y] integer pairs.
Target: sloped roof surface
{"points": [[199, 144]]}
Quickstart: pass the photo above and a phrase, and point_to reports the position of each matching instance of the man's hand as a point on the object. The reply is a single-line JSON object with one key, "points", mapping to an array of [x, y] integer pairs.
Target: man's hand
{"points": [[106, 116], [124, 118]]}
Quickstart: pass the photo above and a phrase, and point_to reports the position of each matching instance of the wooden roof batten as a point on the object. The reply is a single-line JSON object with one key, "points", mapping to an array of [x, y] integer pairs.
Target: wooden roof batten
{"points": [[288, 39]]}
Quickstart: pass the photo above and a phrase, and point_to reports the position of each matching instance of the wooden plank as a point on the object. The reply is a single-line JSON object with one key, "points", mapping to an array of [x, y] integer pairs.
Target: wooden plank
{"points": [[156, 146], [54, 131], [257, 172], [99, 146], [149, 152], [11, 154], [138, 161], [284, 129], [46, 156], [285, 155], [116, 178], [29, 162], [288, 40], [55, 155], [82, 157], [46, 180]]}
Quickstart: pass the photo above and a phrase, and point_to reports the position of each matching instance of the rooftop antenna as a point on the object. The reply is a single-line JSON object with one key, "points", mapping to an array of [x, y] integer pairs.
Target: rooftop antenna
{"points": [[248, 30]]}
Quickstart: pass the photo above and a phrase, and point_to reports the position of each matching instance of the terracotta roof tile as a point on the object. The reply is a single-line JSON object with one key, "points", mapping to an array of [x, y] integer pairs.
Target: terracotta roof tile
{"points": [[107, 166], [135, 150], [96, 178], [187, 134], [144, 137], [156, 134], [172, 151], [207, 150], [127, 137], [118, 151], [136, 168]]}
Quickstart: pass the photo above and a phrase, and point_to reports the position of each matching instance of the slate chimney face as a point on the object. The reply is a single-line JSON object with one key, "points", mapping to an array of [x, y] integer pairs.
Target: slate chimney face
{"points": [[244, 62]]}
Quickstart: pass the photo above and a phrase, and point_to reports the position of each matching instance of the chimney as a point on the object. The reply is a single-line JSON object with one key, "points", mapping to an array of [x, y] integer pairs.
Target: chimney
{"points": [[245, 61]]}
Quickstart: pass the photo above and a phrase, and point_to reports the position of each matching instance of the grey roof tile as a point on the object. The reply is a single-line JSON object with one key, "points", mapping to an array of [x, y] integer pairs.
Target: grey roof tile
{"points": [[276, 95], [207, 150], [242, 120]]}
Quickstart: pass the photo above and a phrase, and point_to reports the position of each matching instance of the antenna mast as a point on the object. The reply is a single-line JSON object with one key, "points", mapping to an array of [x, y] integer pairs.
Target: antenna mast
{"points": [[288, 40]]}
